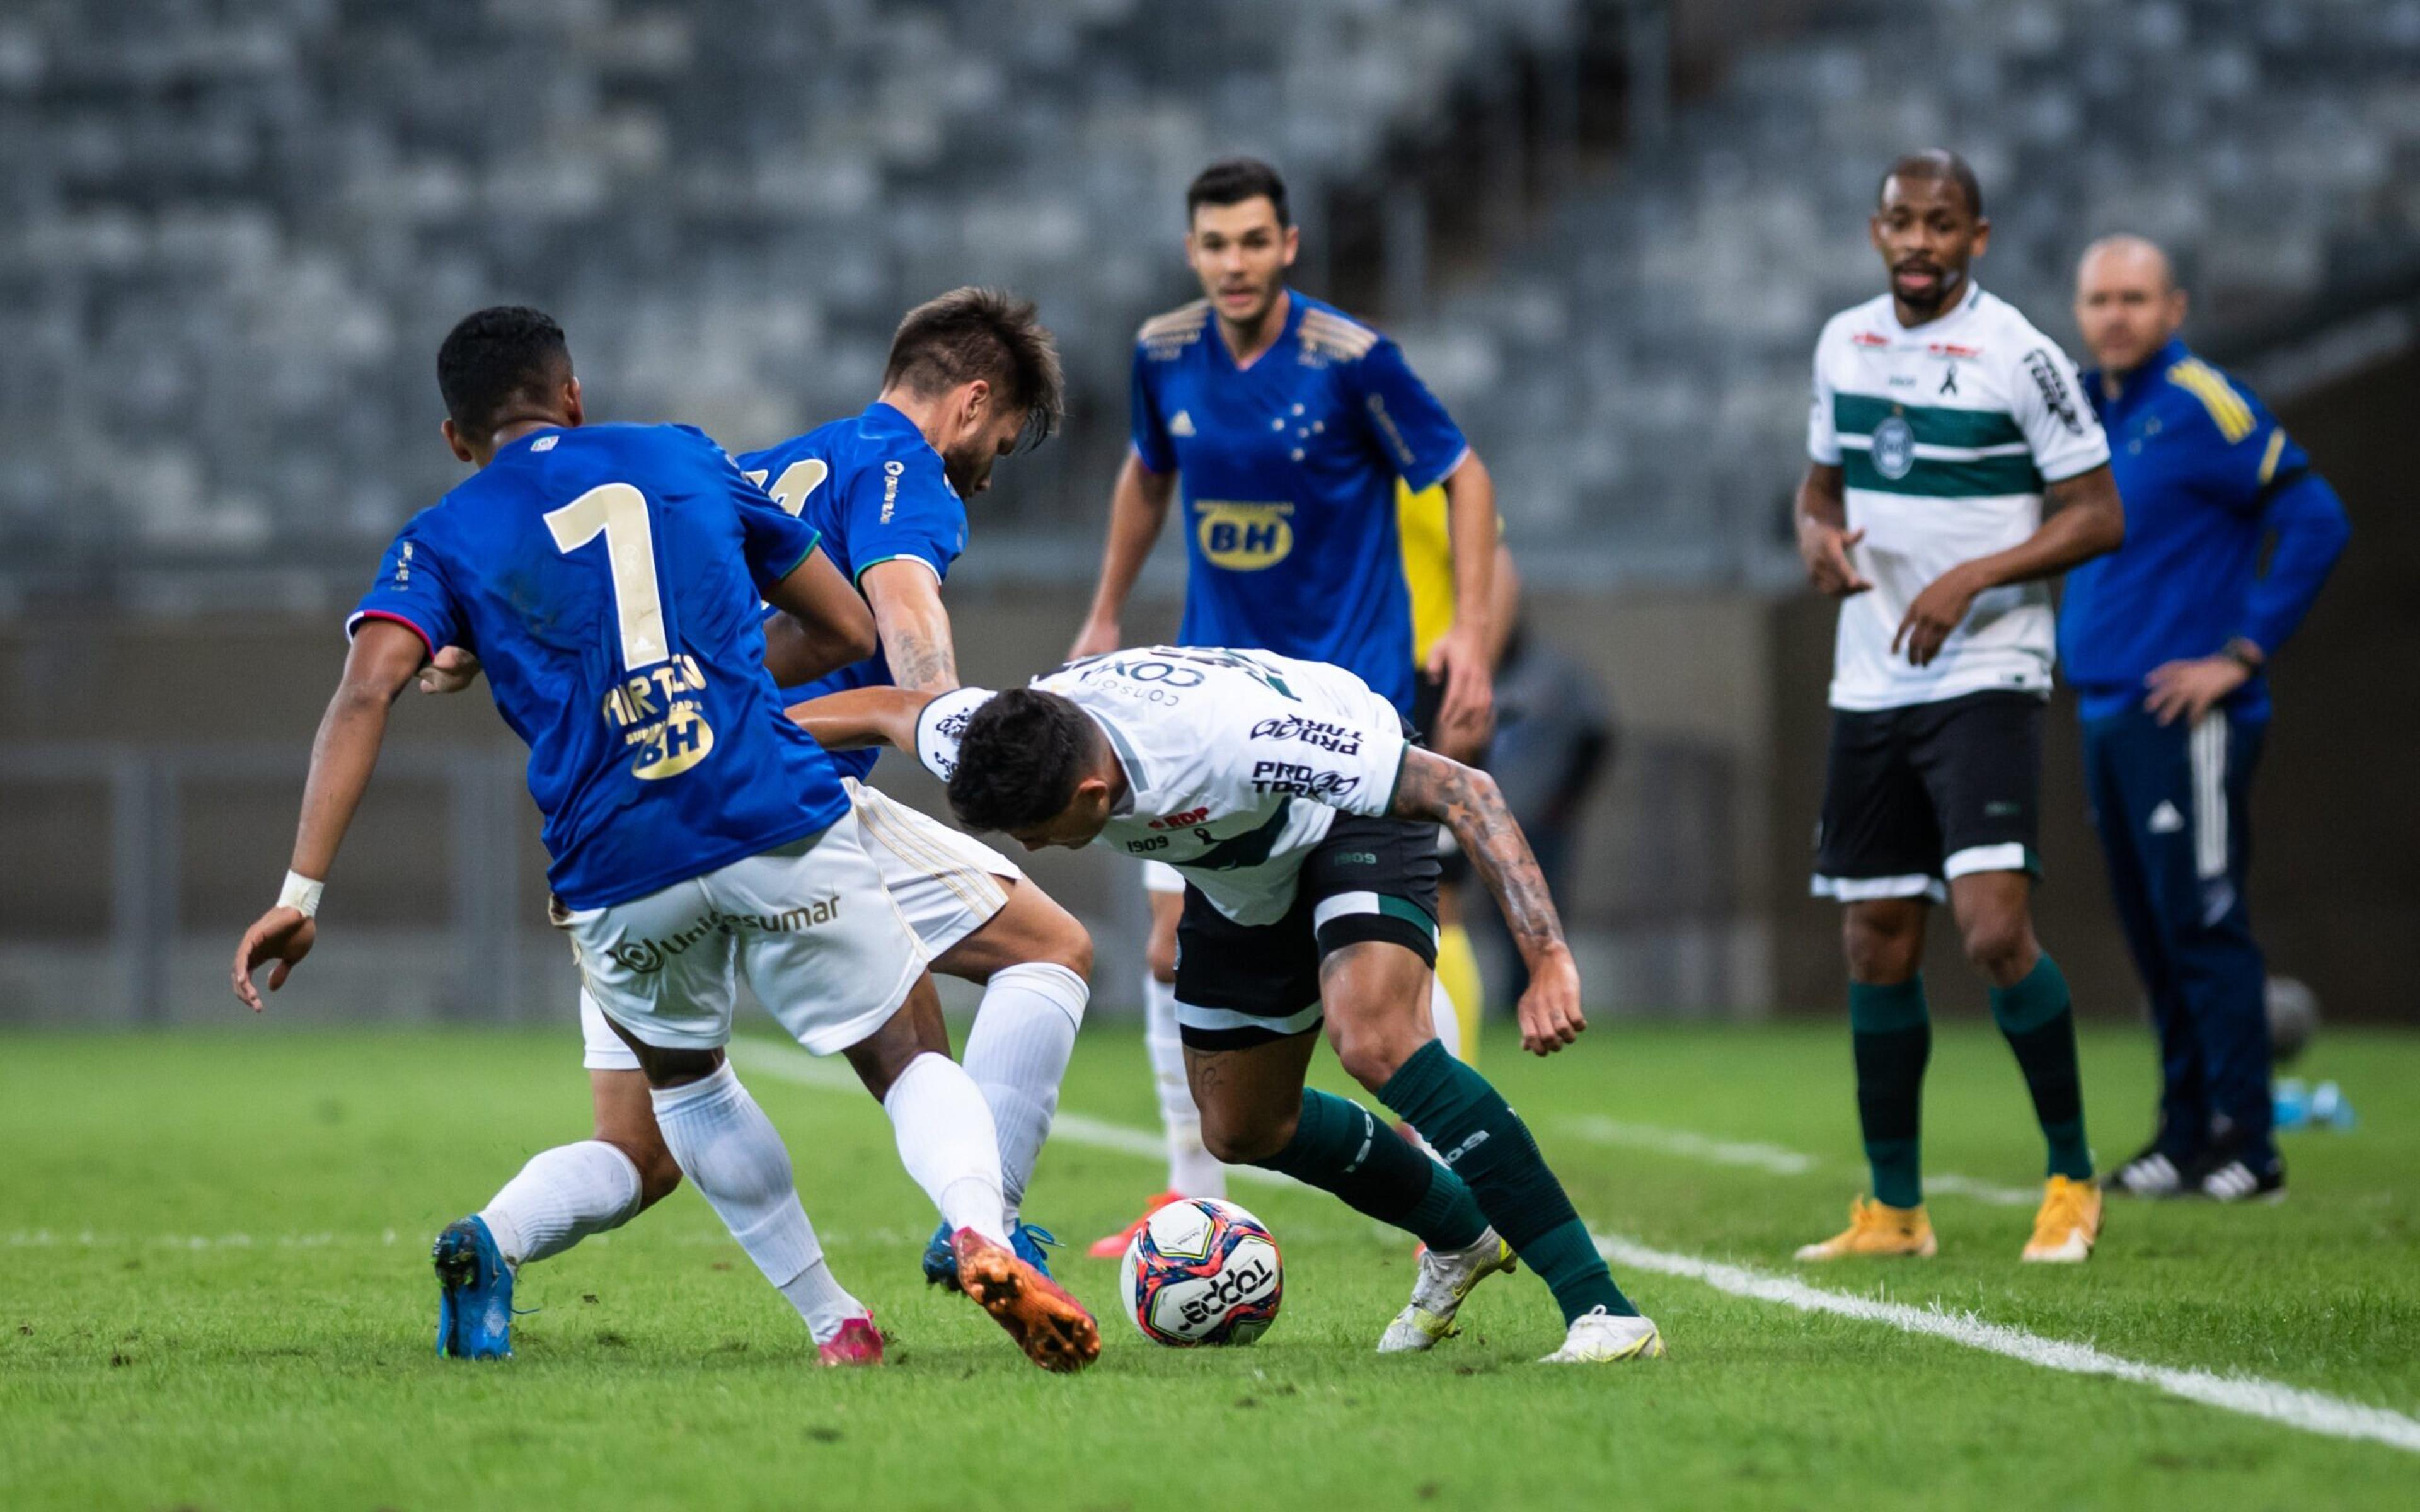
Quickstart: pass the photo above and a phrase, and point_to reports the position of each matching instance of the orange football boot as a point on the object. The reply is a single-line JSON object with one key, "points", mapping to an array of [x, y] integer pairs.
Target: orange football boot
{"points": [[1051, 1327]]}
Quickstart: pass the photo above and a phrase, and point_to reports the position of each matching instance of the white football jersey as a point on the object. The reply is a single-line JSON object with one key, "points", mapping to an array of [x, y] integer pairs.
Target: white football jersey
{"points": [[1236, 761], [1947, 434]]}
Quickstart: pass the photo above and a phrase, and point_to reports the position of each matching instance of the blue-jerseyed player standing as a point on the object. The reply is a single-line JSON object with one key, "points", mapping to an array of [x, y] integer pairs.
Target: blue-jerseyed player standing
{"points": [[609, 578], [1283, 425], [2166, 642]]}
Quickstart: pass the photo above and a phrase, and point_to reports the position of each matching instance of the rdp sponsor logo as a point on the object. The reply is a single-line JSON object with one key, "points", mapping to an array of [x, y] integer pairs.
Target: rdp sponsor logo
{"points": [[1245, 1283], [1301, 781], [1318, 733], [1182, 821]]}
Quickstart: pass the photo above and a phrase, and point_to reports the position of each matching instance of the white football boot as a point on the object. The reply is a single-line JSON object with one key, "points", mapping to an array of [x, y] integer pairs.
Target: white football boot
{"points": [[1446, 1278], [1599, 1338]]}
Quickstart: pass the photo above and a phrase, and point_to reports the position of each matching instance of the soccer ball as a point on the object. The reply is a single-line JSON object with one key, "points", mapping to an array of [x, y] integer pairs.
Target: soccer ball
{"points": [[1201, 1272]]}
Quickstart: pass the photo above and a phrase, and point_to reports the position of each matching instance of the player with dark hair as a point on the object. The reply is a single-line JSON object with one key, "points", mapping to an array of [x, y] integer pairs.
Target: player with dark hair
{"points": [[2167, 642], [610, 578], [1941, 419], [1285, 426], [972, 376], [1304, 822]]}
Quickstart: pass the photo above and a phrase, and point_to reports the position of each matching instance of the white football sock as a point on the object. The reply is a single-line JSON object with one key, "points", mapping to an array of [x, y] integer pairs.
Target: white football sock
{"points": [[1025, 1030], [732, 1154], [1449, 1023], [949, 1143], [560, 1197], [822, 1300], [1191, 1172]]}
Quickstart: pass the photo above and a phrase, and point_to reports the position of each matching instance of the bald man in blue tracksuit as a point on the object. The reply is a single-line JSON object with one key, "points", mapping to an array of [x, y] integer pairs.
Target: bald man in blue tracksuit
{"points": [[2166, 642]]}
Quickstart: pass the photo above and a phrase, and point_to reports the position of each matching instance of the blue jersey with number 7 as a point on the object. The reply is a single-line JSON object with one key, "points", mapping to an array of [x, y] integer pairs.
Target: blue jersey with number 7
{"points": [[609, 578]]}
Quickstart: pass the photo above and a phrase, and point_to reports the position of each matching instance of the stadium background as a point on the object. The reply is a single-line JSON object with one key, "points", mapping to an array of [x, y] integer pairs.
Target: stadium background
{"points": [[1606, 233]]}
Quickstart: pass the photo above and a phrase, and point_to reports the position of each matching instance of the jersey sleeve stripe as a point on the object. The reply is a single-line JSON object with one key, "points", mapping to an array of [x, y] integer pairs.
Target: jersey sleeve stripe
{"points": [[899, 556], [2227, 408], [354, 626], [2268, 458]]}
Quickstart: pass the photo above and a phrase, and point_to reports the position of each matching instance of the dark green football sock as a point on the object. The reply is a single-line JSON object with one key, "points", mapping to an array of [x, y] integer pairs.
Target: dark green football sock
{"points": [[1339, 1146], [2040, 1023], [1488, 1146], [1891, 1033]]}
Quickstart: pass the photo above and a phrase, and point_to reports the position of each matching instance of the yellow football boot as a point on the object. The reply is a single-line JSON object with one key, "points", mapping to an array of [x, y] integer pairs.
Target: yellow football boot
{"points": [[2069, 1223], [1879, 1232]]}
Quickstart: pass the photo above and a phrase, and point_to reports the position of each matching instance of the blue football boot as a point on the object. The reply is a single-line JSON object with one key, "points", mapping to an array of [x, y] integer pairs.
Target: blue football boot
{"points": [[941, 1260], [475, 1298]]}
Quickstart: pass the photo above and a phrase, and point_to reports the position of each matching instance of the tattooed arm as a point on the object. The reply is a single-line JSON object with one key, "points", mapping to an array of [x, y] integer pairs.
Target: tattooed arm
{"points": [[1466, 801], [914, 628]]}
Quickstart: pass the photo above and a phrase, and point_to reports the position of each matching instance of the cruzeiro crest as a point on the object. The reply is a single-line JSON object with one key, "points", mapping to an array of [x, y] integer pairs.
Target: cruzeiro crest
{"points": [[1894, 447]]}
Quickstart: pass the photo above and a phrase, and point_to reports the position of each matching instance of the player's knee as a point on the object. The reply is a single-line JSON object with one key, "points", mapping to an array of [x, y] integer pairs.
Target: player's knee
{"points": [[1999, 944], [1880, 948], [1245, 1139], [1070, 945], [1372, 1053]]}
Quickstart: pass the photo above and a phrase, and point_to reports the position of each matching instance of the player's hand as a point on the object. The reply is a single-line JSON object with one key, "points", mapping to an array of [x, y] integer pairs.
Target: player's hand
{"points": [[1098, 636], [1550, 1010], [2188, 689], [283, 936], [451, 671], [1937, 611], [1825, 551], [1467, 714]]}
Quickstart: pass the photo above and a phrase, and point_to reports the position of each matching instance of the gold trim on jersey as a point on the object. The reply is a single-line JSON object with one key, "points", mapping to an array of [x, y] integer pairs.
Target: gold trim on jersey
{"points": [[1168, 334], [2208, 384], [2268, 458], [1333, 335]]}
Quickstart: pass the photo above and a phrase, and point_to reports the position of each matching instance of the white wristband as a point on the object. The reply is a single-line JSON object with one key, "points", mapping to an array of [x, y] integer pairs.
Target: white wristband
{"points": [[301, 894]]}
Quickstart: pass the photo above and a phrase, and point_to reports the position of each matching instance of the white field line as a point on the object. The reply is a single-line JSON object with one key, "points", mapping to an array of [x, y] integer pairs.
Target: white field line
{"points": [[2291, 1406], [2310, 1410], [1775, 1159]]}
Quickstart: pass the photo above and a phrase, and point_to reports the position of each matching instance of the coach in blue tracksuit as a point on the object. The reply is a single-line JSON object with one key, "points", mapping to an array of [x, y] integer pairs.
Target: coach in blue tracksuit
{"points": [[2166, 642]]}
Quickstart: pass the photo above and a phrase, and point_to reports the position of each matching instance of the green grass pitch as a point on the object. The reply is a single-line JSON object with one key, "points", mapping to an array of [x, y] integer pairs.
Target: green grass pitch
{"points": [[217, 1295]]}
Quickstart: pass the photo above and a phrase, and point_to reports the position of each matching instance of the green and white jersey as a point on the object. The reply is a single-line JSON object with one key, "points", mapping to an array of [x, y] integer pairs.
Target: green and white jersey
{"points": [[1946, 435]]}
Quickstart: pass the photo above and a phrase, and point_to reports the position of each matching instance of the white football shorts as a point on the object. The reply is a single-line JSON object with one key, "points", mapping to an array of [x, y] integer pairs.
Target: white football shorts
{"points": [[809, 925], [946, 884]]}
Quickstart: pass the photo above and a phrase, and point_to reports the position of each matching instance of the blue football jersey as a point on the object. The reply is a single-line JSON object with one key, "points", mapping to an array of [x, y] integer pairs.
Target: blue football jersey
{"points": [[876, 491], [1287, 469], [608, 578]]}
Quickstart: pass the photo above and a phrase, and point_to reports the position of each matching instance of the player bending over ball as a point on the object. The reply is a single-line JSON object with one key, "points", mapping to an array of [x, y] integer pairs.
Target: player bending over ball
{"points": [[609, 578], [972, 376], [1305, 824]]}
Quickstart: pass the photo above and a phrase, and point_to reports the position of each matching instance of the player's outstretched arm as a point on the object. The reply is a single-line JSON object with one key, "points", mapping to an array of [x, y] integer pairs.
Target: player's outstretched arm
{"points": [[1468, 802], [913, 626], [863, 717], [823, 625], [1823, 534], [383, 660], [2084, 518], [1138, 508]]}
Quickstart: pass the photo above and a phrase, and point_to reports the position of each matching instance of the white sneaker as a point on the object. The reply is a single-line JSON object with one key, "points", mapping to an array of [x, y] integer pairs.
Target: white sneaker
{"points": [[1599, 1338], [1446, 1278]]}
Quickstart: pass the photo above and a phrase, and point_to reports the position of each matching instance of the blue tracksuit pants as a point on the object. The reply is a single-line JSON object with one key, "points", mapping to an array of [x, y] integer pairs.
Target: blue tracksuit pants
{"points": [[2171, 804]]}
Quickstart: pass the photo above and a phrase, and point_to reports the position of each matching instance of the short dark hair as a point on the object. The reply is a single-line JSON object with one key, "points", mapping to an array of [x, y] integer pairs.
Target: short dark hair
{"points": [[1019, 761], [496, 358], [987, 333], [1935, 163], [1233, 180]]}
